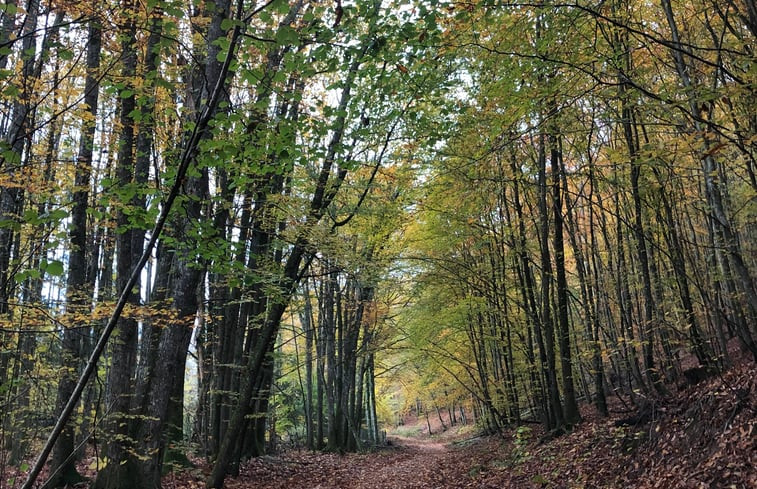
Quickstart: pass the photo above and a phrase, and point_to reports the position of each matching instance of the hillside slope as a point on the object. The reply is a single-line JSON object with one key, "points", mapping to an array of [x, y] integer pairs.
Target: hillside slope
{"points": [[704, 436]]}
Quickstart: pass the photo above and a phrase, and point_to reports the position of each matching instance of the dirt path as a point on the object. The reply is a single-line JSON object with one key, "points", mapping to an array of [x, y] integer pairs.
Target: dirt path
{"points": [[415, 463], [425, 446], [408, 463]]}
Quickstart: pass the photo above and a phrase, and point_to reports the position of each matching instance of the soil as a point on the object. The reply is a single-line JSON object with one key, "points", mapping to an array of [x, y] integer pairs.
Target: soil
{"points": [[703, 436]]}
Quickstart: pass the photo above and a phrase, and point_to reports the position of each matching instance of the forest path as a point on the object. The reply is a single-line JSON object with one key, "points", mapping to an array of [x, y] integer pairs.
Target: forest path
{"points": [[414, 462], [407, 463], [419, 445]]}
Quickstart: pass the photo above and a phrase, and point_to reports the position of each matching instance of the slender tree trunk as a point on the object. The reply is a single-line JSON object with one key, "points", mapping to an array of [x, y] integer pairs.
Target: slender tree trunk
{"points": [[587, 289], [550, 371], [528, 293], [120, 381], [594, 298], [628, 122], [623, 293], [571, 413], [79, 295], [307, 325]]}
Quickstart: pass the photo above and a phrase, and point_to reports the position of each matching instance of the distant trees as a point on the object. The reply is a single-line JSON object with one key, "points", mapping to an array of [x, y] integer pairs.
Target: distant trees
{"points": [[240, 126], [532, 204], [578, 219]]}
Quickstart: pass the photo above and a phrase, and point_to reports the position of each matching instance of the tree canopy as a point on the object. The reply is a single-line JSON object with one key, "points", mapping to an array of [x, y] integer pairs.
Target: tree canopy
{"points": [[227, 226]]}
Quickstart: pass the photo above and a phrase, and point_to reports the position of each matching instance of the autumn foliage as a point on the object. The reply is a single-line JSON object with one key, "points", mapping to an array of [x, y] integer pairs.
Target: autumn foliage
{"points": [[243, 241]]}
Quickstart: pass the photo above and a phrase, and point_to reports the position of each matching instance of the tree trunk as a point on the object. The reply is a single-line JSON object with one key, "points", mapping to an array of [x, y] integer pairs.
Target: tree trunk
{"points": [[120, 380], [307, 325], [79, 296], [555, 409], [571, 414]]}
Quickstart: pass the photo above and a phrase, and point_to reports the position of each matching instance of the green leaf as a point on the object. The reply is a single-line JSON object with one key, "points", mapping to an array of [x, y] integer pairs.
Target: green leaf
{"points": [[55, 268], [286, 35], [136, 115], [281, 6], [265, 17], [6, 223], [221, 56], [174, 10], [163, 83], [57, 215], [20, 277], [31, 217], [227, 24], [11, 91], [9, 9], [66, 54]]}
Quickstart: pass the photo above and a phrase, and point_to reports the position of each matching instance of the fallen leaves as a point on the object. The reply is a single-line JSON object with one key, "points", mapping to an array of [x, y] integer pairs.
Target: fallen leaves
{"points": [[705, 437]]}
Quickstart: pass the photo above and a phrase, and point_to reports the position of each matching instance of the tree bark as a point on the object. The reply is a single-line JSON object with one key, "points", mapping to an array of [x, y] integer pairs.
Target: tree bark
{"points": [[571, 413], [79, 295]]}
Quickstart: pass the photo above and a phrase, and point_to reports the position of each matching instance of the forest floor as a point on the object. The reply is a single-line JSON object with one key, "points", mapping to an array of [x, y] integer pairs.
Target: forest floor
{"points": [[701, 436]]}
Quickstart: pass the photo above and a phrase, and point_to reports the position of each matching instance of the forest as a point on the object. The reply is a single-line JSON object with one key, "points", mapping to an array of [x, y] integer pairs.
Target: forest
{"points": [[378, 243]]}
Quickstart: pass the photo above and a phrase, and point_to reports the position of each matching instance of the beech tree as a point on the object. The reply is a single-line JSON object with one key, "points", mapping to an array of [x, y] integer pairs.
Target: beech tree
{"points": [[487, 211], [570, 163]]}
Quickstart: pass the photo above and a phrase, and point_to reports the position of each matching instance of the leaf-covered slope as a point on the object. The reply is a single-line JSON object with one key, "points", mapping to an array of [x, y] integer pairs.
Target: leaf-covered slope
{"points": [[703, 437]]}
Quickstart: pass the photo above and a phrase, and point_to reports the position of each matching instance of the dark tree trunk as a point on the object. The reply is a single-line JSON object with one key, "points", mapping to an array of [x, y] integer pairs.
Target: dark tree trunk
{"points": [[11, 197], [307, 324], [161, 421], [120, 381], [554, 405], [79, 295], [571, 414]]}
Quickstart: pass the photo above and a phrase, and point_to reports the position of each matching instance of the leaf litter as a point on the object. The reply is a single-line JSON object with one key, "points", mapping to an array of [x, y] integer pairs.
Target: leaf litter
{"points": [[704, 436]]}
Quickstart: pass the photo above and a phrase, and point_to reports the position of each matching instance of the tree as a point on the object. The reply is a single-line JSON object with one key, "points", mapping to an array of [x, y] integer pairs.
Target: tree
{"points": [[63, 460], [494, 208]]}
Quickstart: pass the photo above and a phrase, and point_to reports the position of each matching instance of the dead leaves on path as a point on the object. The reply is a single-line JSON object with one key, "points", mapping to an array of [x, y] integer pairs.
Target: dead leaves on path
{"points": [[706, 437], [402, 467]]}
